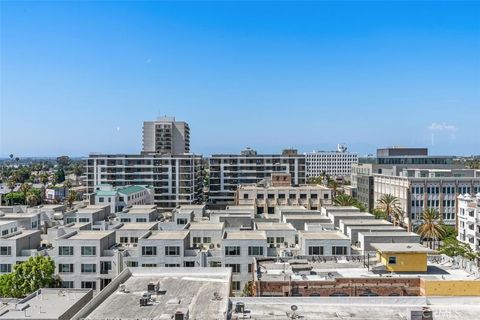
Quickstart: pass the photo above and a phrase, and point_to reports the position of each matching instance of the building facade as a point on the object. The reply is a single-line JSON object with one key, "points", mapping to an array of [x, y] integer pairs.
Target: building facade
{"points": [[469, 220], [228, 171], [166, 136], [419, 189], [176, 179], [333, 163]]}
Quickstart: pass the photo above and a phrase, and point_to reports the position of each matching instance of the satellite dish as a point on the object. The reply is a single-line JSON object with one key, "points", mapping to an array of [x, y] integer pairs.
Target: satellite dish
{"points": [[294, 307]]}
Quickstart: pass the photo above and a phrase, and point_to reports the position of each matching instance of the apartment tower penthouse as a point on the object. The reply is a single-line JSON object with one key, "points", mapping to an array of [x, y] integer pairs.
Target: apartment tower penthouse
{"points": [[166, 136], [164, 163], [228, 171]]}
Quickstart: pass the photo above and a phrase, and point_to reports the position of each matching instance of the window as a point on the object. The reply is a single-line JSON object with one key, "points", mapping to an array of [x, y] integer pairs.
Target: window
{"points": [[65, 268], [236, 285], [303, 196], [132, 264], [339, 251], [270, 240], [314, 196], [255, 251], [67, 284], [133, 239], [172, 251], [245, 196], [260, 196], [89, 285], [325, 196], [271, 210], [5, 251], [293, 196], [89, 251], [235, 267], [149, 265], [197, 240], [89, 268], [315, 251], [182, 221], [65, 251], [124, 239], [101, 199], [149, 251], [172, 265], [271, 196], [83, 220], [281, 196], [232, 250], [250, 267], [392, 260], [207, 239], [4, 232], [189, 264], [5, 268], [125, 220], [280, 240], [141, 219]]}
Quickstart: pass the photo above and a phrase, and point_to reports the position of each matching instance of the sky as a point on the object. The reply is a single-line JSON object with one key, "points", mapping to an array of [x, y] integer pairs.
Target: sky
{"points": [[78, 77]]}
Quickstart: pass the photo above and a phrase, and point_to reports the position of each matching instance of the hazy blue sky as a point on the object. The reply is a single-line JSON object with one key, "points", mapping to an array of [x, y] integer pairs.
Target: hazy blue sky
{"points": [[80, 77]]}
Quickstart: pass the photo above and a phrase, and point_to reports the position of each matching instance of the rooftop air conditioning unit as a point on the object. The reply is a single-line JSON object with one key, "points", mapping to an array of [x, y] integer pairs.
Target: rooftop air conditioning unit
{"points": [[181, 314]]}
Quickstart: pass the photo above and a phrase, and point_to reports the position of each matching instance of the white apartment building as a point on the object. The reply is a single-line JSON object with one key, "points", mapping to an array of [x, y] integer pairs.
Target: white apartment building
{"points": [[419, 189], [333, 163], [239, 249], [324, 243], [121, 197], [166, 136], [469, 220], [176, 179], [228, 171], [86, 259], [17, 247], [265, 197], [139, 213]]}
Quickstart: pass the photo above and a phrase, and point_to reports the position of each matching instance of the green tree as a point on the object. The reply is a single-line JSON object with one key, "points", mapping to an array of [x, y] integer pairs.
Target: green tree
{"points": [[346, 200], [379, 214], [452, 248], [430, 229], [25, 189], [77, 170], [15, 198], [59, 176], [27, 277], [391, 206]]}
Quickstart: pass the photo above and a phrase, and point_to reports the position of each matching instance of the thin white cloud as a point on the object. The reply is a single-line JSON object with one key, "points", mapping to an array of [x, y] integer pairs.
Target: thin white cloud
{"points": [[442, 127]]}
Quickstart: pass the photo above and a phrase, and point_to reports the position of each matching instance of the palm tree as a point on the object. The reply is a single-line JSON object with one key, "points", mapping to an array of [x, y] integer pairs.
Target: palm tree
{"points": [[72, 196], [77, 170], [24, 189], [431, 229], [67, 184], [391, 206], [344, 200], [11, 183], [332, 184], [32, 198]]}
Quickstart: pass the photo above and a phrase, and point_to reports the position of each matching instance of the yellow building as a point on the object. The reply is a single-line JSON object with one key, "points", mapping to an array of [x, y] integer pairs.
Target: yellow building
{"points": [[402, 257]]}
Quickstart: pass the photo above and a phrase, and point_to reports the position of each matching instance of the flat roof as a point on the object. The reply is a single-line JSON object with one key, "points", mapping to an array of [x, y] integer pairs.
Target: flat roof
{"points": [[48, 304], [206, 226], [246, 235], [320, 235], [19, 234], [204, 292], [364, 222], [134, 211], [390, 234], [5, 222], [169, 235], [306, 216], [91, 235], [138, 225], [401, 247], [274, 226], [374, 308]]}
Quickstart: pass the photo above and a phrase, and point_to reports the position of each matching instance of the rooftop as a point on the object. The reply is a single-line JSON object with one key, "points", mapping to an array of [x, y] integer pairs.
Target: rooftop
{"points": [[390, 234], [44, 304], [131, 189], [361, 308], [206, 226], [168, 235], [274, 226], [246, 235], [202, 291], [401, 247], [323, 235], [138, 226], [365, 222], [91, 235]]}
